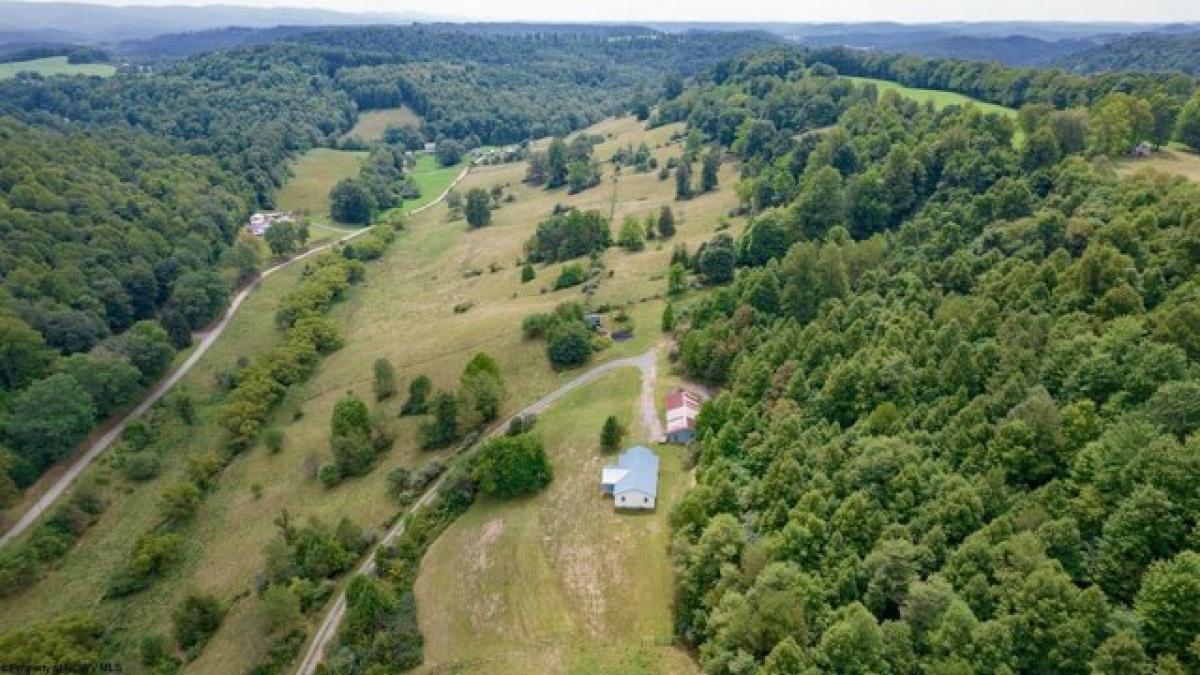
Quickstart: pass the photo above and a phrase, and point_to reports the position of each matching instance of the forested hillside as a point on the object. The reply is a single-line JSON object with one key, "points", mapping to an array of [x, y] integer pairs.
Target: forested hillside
{"points": [[956, 433], [1147, 53]]}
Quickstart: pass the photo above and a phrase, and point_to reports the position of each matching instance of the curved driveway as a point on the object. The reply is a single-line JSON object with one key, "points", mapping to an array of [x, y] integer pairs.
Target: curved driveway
{"points": [[647, 363]]}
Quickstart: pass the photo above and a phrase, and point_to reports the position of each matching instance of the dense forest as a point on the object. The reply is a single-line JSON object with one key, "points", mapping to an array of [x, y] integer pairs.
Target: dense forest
{"points": [[1147, 53], [121, 197], [959, 392]]}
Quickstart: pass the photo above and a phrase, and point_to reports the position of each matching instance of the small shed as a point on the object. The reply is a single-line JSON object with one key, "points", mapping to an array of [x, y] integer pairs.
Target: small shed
{"points": [[683, 407], [593, 321], [633, 480]]}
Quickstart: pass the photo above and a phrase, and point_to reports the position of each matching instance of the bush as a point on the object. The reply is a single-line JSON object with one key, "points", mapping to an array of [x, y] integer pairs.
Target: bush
{"points": [[571, 275], [179, 502], [384, 383], [330, 475], [139, 466], [273, 440], [195, 621], [511, 466], [527, 273]]}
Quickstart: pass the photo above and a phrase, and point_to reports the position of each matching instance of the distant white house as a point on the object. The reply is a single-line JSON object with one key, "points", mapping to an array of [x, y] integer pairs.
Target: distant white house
{"points": [[683, 407], [262, 221], [633, 480]]}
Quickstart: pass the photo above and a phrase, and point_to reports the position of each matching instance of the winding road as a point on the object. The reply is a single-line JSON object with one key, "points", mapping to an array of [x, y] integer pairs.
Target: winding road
{"points": [[160, 389], [647, 363]]}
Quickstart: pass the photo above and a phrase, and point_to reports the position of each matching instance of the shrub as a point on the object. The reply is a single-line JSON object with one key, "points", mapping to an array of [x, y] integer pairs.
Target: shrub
{"points": [[330, 475], [139, 466], [527, 273], [179, 502], [273, 440], [196, 619], [571, 275], [384, 383], [510, 466], [152, 555]]}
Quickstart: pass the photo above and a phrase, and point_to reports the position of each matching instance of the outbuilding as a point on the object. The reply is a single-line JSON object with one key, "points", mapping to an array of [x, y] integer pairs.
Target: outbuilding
{"points": [[633, 480], [683, 407]]}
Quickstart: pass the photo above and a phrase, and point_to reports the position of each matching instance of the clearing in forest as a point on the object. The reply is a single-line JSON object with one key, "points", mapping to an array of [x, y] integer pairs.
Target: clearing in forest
{"points": [[55, 65], [939, 98], [313, 175], [371, 123], [405, 312], [1173, 161]]}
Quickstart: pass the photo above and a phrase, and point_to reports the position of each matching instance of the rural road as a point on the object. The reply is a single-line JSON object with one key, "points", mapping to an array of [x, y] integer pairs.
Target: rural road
{"points": [[207, 339], [647, 363]]}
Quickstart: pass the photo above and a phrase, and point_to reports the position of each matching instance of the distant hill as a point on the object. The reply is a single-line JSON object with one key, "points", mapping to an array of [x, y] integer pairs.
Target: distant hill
{"points": [[1017, 43], [1167, 51], [81, 23]]}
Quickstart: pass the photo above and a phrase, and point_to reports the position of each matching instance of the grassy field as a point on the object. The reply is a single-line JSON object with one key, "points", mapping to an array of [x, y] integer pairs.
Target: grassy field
{"points": [[432, 178], [558, 582], [55, 65], [313, 175], [402, 312], [1174, 161], [939, 98], [371, 123]]}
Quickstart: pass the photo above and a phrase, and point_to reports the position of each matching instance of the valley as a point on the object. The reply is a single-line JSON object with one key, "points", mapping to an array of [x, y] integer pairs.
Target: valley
{"points": [[556, 348]]}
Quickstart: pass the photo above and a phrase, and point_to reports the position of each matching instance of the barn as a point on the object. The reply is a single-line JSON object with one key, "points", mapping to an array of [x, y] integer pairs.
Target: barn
{"points": [[633, 480], [683, 407]]}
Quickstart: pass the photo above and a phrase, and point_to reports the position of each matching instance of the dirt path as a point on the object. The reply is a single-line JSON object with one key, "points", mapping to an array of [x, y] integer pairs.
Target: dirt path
{"points": [[647, 363], [100, 444]]}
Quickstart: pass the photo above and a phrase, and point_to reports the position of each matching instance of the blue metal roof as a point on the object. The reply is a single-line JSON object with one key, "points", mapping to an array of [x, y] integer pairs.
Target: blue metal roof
{"points": [[642, 464]]}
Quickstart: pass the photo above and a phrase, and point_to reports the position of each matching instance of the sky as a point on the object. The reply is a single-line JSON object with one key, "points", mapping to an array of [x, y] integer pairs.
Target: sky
{"points": [[908, 11]]}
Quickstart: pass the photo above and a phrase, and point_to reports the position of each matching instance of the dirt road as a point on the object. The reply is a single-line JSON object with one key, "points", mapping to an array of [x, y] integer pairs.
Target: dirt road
{"points": [[207, 339], [647, 363]]}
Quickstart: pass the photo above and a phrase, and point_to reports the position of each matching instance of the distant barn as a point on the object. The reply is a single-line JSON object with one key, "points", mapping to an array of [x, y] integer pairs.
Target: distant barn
{"points": [[261, 222], [633, 480], [683, 407]]}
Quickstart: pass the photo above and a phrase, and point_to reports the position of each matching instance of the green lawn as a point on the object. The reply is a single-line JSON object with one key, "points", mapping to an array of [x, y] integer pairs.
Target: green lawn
{"points": [[939, 98], [55, 65], [313, 175], [432, 178]]}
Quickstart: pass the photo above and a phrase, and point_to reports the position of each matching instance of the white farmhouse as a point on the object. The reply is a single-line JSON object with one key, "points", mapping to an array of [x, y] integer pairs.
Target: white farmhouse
{"points": [[633, 480]]}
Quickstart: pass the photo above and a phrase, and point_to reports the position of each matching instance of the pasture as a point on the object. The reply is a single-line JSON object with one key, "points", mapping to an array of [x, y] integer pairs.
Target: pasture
{"points": [[559, 582], [1177, 162], [402, 312], [371, 123], [55, 65], [313, 175], [939, 98]]}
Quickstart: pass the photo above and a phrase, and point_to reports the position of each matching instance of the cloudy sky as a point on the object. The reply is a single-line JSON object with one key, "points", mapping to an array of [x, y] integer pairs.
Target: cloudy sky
{"points": [[908, 11]]}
